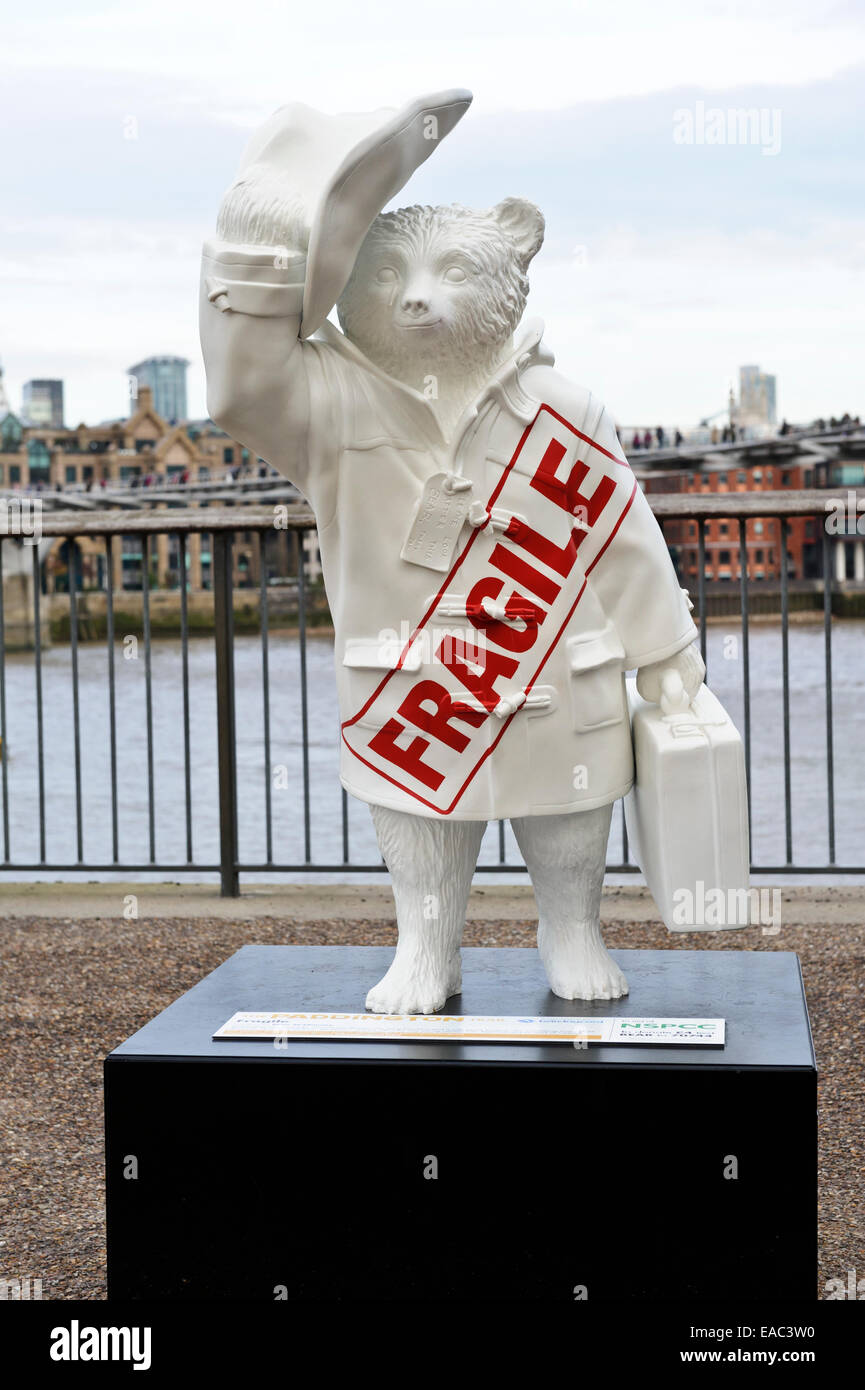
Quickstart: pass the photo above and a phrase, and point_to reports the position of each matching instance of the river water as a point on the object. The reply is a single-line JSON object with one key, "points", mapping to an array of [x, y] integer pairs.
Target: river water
{"points": [[807, 733]]}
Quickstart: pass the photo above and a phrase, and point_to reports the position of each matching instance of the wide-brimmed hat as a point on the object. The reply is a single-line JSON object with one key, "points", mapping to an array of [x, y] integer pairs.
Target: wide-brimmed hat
{"points": [[344, 170]]}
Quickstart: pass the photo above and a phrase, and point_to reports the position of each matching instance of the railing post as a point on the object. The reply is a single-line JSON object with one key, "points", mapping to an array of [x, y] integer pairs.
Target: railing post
{"points": [[223, 595]]}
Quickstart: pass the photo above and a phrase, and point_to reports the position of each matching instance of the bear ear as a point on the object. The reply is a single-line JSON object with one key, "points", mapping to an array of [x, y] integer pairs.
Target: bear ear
{"points": [[523, 223]]}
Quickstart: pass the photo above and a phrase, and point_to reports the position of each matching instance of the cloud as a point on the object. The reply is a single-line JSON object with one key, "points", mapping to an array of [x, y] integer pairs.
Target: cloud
{"points": [[337, 54], [696, 257], [659, 330]]}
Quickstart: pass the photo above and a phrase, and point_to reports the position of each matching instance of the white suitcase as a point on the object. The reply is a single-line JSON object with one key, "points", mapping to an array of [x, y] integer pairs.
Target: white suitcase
{"points": [[687, 813]]}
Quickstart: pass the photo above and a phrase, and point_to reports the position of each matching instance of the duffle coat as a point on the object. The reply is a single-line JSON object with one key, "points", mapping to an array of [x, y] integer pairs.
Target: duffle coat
{"points": [[488, 591]]}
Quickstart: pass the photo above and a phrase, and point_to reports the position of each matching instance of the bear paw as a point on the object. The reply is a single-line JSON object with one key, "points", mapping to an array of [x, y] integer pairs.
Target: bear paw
{"points": [[414, 987], [581, 967]]}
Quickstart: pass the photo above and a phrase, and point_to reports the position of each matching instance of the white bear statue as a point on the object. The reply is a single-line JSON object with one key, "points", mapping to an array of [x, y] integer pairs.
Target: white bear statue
{"points": [[491, 565]]}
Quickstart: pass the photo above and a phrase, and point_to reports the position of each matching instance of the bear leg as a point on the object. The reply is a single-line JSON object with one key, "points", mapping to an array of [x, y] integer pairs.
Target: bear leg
{"points": [[431, 864], [565, 856]]}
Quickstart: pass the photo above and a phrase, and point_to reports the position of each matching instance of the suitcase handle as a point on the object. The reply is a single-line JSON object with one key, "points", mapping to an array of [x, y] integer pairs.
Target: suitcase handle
{"points": [[678, 710]]}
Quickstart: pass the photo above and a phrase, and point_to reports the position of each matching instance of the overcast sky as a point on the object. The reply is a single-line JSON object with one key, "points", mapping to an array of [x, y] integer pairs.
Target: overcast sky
{"points": [[666, 266]]}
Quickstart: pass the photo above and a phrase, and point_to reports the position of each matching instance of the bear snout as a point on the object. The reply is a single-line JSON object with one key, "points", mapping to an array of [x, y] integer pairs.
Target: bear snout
{"points": [[418, 307], [416, 304]]}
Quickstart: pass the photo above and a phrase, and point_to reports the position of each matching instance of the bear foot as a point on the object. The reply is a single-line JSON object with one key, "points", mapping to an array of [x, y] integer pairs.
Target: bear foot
{"points": [[415, 986], [579, 966]]}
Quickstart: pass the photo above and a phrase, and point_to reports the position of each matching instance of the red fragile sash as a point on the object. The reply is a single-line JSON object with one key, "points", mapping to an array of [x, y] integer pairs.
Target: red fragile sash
{"points": [[429, 731]]}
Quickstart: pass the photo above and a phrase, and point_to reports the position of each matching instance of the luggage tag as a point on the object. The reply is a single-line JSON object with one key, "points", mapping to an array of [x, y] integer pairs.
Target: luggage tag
{"points": [[440, 516]]}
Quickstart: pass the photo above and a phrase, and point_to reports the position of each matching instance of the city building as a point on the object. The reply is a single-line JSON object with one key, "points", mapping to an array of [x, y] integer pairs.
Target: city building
{"points": [[11, 429], [184, 463], [5, 407], [141, 453], [833, 462], [166, 379], [42, 404], [757, 405]]}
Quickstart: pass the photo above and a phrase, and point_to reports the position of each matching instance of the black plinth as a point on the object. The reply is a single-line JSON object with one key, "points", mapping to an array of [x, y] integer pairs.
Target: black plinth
{"points": [[303, 1168]]}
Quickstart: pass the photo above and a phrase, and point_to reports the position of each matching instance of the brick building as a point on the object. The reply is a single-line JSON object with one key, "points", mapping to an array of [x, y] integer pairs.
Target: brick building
{"points": [[773, 465], [136, 453]]}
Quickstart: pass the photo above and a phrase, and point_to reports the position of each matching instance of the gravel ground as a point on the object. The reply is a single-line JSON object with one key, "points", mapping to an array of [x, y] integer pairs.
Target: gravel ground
{"points": [[73, 990]]}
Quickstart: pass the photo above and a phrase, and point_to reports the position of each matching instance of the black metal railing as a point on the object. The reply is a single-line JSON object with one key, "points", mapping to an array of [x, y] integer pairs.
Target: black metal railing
{"points": [[106, 528]]}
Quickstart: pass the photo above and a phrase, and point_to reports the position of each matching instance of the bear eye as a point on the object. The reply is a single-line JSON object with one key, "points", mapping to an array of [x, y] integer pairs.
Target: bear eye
{"points": [[386, 275], [455, 275]]}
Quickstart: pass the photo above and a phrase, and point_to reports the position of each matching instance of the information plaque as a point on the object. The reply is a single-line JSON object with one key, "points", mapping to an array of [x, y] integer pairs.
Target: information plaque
{"points": [[667, 1032]]}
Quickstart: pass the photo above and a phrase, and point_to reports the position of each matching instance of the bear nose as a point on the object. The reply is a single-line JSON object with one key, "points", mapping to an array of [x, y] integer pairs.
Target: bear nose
{"points": [[415, 304]]}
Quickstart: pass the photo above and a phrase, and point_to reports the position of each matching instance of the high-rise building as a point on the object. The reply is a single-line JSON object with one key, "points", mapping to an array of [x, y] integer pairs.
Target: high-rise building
{"points": [[757, 399], [166, 377], [5, 407], [42, 404]]}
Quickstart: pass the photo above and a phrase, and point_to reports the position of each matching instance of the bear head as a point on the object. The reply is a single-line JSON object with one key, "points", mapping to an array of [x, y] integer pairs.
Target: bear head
{"points": [[436, 292]]}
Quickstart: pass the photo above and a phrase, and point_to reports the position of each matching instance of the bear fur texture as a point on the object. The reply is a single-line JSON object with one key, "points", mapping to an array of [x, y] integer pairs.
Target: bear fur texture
{"points": [[437, 292], [431, 864]]}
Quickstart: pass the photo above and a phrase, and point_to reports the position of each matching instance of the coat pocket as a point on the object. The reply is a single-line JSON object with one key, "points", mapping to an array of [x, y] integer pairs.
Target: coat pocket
{"points": [[368, 660], [380, 654], [595, 667]]}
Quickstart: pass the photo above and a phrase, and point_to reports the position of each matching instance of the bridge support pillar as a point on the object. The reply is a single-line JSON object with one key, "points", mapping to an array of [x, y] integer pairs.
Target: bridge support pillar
{"points": [[19, 630]]}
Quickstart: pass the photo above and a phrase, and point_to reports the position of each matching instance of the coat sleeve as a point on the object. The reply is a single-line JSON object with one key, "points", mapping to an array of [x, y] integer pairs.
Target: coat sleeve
{"points": [[249, 320], [634, 578]]}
